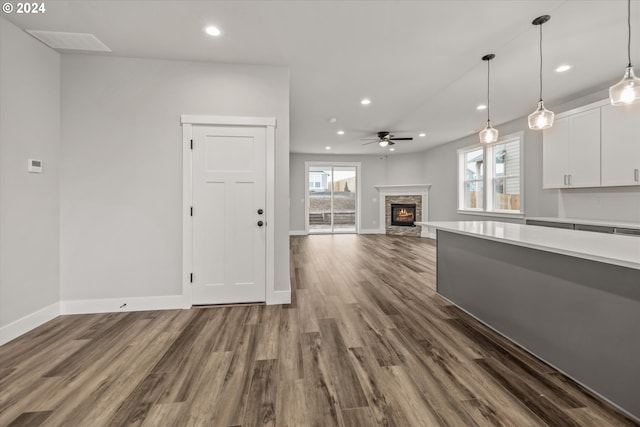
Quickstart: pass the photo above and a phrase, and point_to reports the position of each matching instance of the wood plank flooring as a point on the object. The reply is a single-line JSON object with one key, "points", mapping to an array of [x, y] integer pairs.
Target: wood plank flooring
{"points": [[366, 341]]}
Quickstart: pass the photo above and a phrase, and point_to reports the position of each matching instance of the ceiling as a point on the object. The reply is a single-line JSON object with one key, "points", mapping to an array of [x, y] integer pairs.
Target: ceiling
{"points": [[418, 61]]}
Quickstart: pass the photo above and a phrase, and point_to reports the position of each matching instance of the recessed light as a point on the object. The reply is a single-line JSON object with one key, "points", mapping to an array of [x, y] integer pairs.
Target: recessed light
{"points": [[481, 107], [392, 149], [212, 30], [563, 68], [422, 135], [327, 148], [365, 101], [340, 132]]}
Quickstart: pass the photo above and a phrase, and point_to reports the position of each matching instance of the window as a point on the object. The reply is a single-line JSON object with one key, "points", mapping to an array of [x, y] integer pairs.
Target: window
{"points": [[316, 180], [496, 168]]}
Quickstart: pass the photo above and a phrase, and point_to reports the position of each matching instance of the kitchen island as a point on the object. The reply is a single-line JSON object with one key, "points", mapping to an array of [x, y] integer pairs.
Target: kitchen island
{"points": [[570, 297]]}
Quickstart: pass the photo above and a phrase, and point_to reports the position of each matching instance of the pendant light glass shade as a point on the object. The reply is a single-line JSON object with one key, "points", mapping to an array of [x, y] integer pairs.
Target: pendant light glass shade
{"points": [[627, 90], [489, 134], [541, 118]]}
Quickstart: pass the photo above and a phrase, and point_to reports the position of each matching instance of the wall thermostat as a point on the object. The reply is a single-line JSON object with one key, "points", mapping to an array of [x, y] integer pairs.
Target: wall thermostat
{"points": [[34, 166]]}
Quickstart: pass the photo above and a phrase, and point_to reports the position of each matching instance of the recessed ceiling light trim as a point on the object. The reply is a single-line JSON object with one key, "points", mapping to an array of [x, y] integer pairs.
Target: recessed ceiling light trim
{"points": [[70, 41], [327, 148], [340, 132], [422, 134], [481, 107], [213, 31], [563, 68], [365, 101]]}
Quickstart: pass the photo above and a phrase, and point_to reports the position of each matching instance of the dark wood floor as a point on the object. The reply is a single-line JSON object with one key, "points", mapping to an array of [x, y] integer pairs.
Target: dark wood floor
{"points": [[366, 342]]}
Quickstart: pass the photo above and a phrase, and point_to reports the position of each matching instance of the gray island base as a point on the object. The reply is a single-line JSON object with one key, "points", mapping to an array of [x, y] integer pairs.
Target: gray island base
{"points": [[579, 315]]}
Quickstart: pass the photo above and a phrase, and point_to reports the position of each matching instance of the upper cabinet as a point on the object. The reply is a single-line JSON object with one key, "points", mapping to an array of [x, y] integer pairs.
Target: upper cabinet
{"points": [[620, 145], [571, 151], [597, 145]]}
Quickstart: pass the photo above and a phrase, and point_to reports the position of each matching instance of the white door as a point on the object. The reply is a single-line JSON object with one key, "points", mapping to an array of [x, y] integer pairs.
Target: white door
{"points": [[229, 215]]}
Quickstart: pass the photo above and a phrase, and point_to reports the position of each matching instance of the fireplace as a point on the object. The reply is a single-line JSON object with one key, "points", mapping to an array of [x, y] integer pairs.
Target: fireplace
{"points": [[403, 214]]}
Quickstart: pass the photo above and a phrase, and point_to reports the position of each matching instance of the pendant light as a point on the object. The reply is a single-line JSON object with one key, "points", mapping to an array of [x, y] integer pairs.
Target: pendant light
{"points": [[489, 134], [627, 90], [541, 118]]}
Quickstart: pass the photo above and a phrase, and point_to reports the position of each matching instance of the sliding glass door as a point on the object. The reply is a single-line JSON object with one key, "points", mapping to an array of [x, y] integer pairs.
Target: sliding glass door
{"points": [[332, 198]]}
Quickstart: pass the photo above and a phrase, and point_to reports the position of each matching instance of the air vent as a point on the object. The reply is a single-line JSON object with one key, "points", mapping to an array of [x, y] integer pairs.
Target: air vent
{"points": [[70, 41]]}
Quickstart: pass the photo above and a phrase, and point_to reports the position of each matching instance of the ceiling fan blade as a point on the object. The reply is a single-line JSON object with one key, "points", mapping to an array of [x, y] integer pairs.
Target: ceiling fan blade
{"points": [[370, 142], [401, 139], [369, 139]]}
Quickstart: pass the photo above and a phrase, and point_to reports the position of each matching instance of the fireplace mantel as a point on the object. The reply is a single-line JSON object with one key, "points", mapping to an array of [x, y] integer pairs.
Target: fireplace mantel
{"points": [[404, 190]]}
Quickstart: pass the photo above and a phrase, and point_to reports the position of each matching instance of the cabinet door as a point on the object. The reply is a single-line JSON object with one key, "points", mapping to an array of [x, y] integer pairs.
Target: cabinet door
{"points": [[620, 145], [555, 154], [584, 149]]}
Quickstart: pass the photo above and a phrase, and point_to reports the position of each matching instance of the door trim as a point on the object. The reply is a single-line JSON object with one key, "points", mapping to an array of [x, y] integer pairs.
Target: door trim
{"points": [[357, 165], [188, 121]]}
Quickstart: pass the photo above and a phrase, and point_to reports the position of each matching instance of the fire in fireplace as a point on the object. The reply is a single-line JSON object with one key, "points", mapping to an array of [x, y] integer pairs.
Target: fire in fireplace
{"points": [[403, 214]]}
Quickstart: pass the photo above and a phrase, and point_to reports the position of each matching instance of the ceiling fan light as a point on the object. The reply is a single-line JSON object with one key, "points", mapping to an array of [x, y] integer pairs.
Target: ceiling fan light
{"points": [[383, 142], [541, 118], [489, 134], [627, 90]]}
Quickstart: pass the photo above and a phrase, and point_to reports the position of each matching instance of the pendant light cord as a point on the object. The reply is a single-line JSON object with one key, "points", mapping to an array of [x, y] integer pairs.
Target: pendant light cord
{"points": [[541, 61], [488, 92], [629, 27]]}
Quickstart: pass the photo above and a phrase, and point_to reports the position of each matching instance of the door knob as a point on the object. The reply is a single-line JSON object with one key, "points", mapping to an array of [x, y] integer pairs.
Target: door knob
{"points": [[260, 223], [260, 211]]}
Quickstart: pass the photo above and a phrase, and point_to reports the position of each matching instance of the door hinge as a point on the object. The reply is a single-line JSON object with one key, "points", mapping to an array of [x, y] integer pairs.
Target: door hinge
{"points": [[191, 210], [191, 278], [192, 144]]}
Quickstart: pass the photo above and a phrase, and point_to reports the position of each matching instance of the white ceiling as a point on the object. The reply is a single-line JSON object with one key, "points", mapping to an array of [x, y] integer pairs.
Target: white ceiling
{"points": [[418, 61]]}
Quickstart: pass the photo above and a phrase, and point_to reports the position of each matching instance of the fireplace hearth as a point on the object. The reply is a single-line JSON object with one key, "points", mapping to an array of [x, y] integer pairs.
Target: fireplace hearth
{"points": [[403, 215]]}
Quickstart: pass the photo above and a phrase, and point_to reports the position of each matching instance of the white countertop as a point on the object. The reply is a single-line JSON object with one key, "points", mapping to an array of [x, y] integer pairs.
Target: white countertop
{"points": [[609, 248], [632, 225]]}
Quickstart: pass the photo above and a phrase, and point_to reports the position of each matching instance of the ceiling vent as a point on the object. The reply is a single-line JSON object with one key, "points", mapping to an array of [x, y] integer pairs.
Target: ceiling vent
{"points": [[70, 41]]}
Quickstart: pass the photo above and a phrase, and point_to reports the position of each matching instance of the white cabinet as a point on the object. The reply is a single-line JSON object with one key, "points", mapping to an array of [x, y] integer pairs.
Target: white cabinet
{"points": [[571, 151], [620, 145]]}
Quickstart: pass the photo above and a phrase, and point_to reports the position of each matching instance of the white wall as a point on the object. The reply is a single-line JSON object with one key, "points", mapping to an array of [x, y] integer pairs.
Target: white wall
{"points": [[405, 169], [29, 214], [121, 169], [373, 172]]}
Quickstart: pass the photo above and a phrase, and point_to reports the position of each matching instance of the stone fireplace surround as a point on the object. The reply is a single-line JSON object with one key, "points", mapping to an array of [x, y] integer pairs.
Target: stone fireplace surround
{"points": [[408, 193]]}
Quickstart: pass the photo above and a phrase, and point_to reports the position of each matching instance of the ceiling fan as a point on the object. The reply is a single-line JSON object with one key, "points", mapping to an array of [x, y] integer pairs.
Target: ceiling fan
{"points": [[384, 139]]}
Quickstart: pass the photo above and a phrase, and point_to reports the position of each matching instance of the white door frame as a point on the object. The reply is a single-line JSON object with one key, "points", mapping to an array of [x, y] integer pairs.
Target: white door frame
{"points": [[308, 164], [188, 121]]}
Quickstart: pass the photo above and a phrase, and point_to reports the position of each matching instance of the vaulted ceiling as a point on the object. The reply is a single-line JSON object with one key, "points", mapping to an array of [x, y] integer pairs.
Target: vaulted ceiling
{"points": [[418, 61]]}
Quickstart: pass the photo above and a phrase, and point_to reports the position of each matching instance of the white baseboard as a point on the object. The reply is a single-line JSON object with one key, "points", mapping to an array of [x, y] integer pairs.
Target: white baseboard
{"points": [[279, 297], [427, 234], [297, 233], [22, 326], [111, 305], [371, 231]]}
